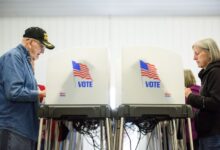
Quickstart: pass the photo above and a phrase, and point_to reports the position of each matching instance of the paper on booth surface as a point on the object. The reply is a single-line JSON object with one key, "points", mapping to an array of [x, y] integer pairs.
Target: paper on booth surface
{"points": [[151, 76], [80, 76]]}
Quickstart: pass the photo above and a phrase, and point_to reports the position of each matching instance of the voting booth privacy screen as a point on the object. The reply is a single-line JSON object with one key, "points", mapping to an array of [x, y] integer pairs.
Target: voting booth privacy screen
{"points": [[80, 76], [151, 76], [146, 76]]}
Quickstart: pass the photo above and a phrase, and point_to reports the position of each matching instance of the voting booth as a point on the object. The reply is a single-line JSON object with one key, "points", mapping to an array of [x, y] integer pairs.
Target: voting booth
{"points": [[151, 76], [77, 84], [80, 76], [152, 90]]}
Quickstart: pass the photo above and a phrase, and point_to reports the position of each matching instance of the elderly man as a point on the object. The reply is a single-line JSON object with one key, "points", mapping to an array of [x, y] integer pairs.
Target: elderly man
{"points": [[19, 95]]}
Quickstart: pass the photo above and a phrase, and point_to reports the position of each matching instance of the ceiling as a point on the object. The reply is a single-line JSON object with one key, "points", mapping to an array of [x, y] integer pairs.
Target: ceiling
{"points": [[109, 8]]}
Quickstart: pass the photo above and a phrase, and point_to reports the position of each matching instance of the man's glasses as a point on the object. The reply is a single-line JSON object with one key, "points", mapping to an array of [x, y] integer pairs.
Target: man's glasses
{"points": [[42, 47]]}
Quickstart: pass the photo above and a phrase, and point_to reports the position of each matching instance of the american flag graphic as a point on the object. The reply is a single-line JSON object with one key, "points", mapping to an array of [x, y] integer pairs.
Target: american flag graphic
{"points": [[81, 70], [148, 70]]}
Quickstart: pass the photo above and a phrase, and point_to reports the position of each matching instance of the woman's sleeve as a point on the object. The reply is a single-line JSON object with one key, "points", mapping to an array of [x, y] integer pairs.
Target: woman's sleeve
{"points": [[211, 99]]}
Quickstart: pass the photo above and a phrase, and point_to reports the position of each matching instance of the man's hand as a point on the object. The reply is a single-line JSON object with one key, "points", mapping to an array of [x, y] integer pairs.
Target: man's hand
{"points": [[42, 94]]}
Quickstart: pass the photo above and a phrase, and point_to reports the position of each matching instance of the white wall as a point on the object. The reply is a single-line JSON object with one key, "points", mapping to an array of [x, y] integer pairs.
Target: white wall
{"points": [[172, 33]]}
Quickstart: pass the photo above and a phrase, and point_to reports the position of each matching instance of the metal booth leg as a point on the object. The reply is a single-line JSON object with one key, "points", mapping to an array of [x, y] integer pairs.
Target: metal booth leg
{"points": [[40, 134], [118, 134], [108, 133], [48, 134], [101, 135], [120, 146], [190, 133]]}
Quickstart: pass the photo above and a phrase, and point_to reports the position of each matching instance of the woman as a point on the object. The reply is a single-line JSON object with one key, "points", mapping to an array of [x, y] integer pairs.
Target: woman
{"points": [[207, 57], [190, 82]]}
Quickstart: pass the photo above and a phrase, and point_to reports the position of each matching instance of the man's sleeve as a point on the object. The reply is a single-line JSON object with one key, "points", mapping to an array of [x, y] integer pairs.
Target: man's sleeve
{"points": [[14, 80]]}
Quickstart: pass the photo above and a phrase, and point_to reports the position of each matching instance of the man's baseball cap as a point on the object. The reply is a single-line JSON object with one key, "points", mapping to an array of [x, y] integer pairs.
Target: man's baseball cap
{"points": [[40, 35]]}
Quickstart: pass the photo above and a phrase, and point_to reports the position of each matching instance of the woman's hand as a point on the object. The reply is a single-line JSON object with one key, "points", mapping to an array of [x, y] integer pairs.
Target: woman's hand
{"points": [[187, 92]]}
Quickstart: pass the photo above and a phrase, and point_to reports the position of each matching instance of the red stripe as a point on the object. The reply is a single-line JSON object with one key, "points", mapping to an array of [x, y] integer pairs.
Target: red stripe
{"points": [[151, 74]]}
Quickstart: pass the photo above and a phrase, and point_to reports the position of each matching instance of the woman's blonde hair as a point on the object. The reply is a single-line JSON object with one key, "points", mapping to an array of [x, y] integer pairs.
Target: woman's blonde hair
{"points": [[210, 46], [189, 78]]}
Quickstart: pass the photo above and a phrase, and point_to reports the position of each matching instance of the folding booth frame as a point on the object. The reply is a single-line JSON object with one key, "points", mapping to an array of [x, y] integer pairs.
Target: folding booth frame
{"points": [[71, 112], [159, 111]]}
